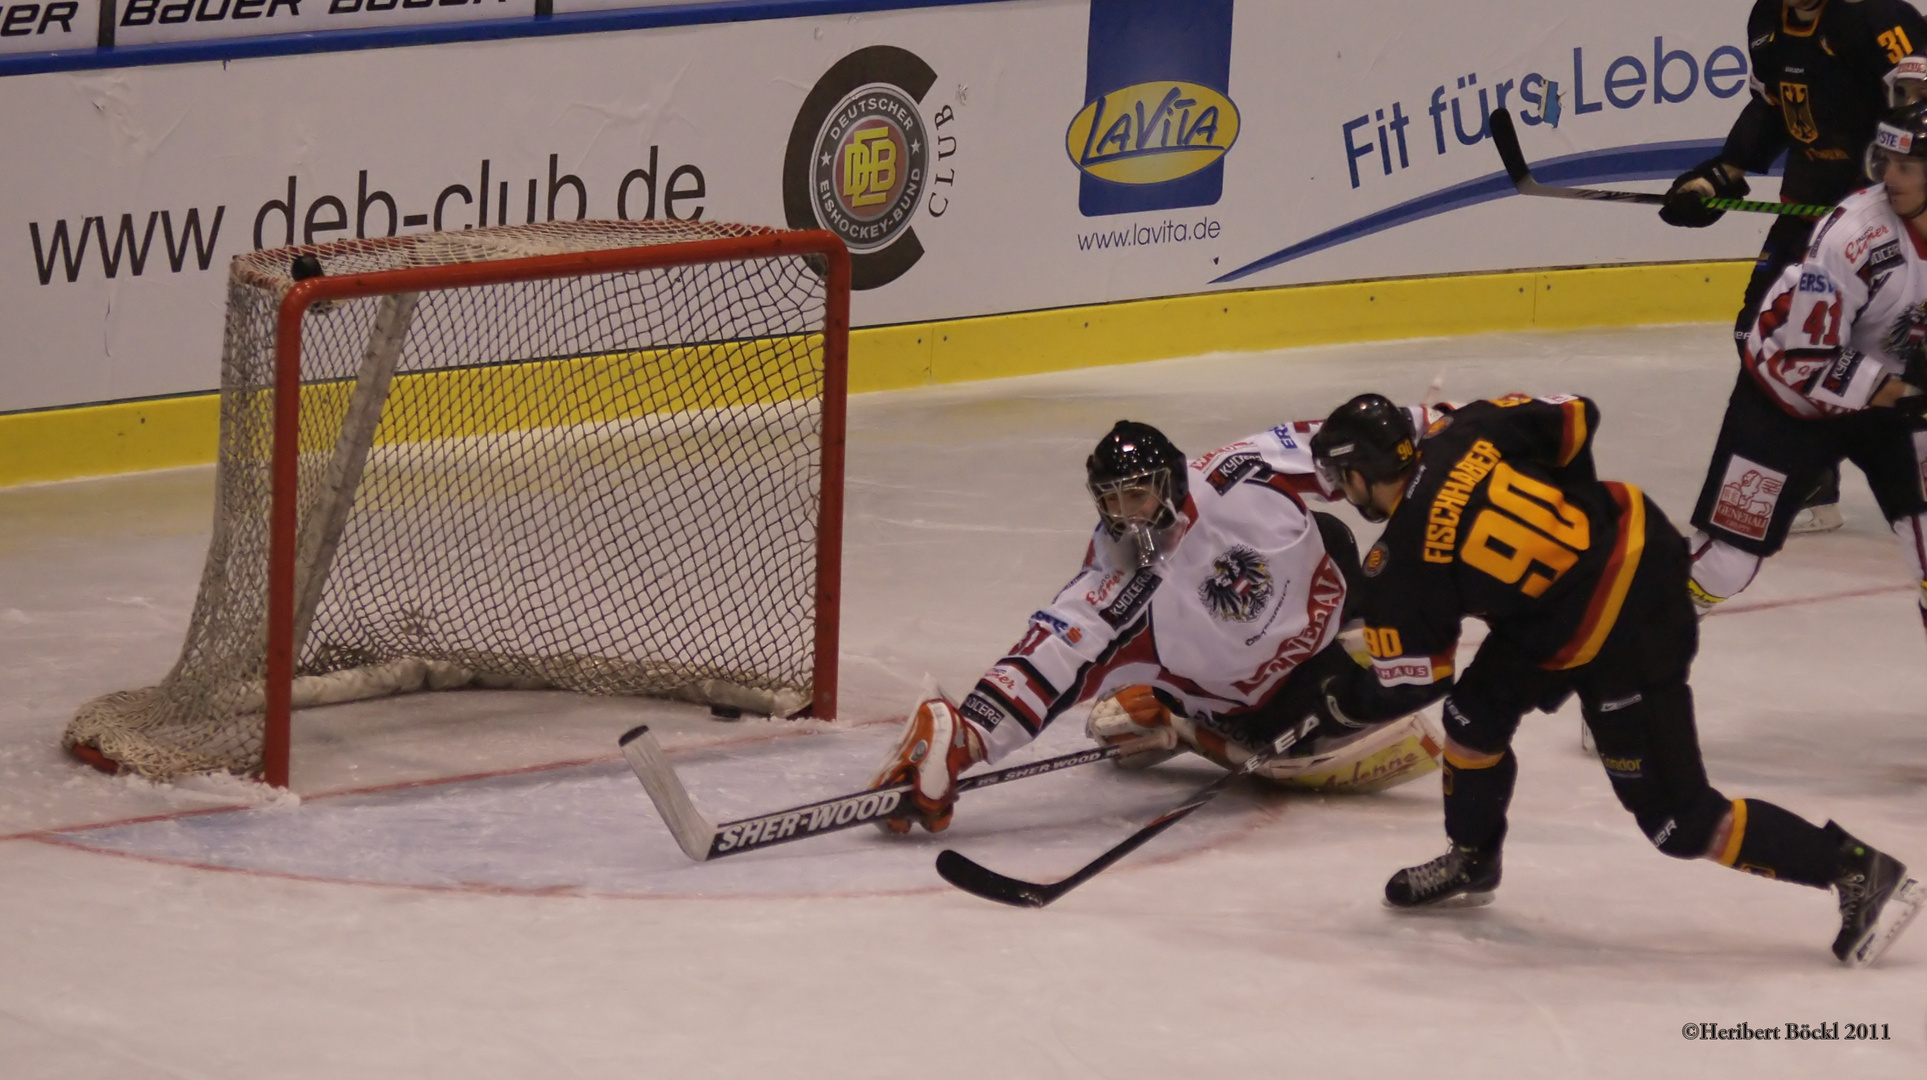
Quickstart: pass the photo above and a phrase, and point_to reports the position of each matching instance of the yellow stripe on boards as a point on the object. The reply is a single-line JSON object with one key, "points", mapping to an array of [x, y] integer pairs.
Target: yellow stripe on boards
{"points": [[103, 440], [544, 394], [60, 444], [1028, 343]]}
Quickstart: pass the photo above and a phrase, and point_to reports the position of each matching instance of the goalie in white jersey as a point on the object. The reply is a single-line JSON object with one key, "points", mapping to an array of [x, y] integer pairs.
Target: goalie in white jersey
{"points": [[1207, 612], [1832, 370]]}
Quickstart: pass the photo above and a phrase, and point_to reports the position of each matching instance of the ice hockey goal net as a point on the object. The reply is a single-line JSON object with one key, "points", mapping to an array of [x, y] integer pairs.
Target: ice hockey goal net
{"points": [[595, 456]]}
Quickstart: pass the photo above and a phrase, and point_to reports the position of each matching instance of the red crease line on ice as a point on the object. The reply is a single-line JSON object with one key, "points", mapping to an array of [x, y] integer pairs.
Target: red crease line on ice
{"points": [[1265, 813], [54, 834]]}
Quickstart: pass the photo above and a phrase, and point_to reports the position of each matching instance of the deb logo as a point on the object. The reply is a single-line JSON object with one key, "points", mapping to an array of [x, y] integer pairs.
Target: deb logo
{"points": [[1157, 119], [859, 156]]}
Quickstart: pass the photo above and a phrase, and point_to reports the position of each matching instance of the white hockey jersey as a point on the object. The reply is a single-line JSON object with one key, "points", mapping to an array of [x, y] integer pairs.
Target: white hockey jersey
{"points": [[1837, 324], [1245, 596]]}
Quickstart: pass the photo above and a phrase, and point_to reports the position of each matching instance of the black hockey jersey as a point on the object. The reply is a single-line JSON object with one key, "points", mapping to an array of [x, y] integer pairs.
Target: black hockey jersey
{"points": [[1504, 519], [1817, 90]]}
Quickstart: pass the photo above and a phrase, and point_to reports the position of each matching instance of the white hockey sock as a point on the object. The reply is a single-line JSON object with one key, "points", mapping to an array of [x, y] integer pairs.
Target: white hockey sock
{"points": [[1720, 570]]}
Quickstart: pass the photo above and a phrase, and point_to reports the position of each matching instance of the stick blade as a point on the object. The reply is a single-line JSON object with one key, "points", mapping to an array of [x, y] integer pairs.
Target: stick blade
{"points": [[693, 833], [1506, 138], [979, 880]]}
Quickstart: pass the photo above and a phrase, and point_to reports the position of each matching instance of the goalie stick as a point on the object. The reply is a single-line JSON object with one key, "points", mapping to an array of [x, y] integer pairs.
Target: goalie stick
{"points": [[703, 841], [979, 880], [1506, 138]]}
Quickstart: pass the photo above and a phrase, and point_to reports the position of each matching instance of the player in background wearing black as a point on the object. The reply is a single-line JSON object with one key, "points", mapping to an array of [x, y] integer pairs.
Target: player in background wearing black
{"points": [[1582, 583], [1817, 90]]}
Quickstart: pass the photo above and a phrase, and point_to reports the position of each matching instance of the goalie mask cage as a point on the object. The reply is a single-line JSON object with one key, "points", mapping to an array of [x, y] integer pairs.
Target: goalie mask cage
{"points": [[596, 456]]}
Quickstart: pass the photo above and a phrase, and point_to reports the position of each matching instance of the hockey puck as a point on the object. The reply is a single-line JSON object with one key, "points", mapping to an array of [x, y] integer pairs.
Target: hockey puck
{"points": [[725, 712]]}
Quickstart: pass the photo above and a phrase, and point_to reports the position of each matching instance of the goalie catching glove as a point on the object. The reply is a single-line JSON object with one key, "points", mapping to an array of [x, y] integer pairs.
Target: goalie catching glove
{"points": [[936, 745]]}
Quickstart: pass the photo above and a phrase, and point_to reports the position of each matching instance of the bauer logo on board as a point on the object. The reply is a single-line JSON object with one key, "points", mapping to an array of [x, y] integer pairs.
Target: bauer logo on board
{"points": [[1157, 118], [862, 160]]}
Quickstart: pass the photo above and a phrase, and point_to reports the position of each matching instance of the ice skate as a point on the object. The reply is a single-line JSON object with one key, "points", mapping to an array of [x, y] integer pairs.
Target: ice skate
{"points": [[1462, 877], [1819, 518], [1877, 901]]}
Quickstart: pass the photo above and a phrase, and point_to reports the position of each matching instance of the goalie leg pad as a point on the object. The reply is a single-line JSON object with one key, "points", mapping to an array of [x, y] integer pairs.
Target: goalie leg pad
{"points": [[1383, 756]]}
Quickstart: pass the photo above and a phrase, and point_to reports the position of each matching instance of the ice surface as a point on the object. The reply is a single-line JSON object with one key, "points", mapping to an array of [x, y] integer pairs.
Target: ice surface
{"points": [[536, 920]]}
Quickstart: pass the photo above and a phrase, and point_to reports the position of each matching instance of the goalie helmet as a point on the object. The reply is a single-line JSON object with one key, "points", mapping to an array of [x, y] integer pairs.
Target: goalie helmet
{"points": [[1139, 481], [1367, 435]]}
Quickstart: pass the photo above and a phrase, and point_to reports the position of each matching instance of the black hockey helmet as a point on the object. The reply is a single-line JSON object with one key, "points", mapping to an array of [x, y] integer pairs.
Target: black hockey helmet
{"points": [[1368, 435], [1901, 133], [1139, 481]]}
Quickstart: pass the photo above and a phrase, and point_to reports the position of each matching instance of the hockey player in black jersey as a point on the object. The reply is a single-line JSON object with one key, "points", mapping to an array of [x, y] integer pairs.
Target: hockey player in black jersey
{"points": [[1818, 87], [1498, 513]]}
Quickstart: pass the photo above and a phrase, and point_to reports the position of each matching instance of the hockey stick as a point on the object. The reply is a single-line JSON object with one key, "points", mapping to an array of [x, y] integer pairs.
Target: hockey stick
{"points": [[1506, 138], [703, 841], [979, 880]]}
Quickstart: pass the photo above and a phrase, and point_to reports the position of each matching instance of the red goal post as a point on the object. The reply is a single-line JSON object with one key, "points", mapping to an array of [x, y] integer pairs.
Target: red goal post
{"points": [[665, 264]]}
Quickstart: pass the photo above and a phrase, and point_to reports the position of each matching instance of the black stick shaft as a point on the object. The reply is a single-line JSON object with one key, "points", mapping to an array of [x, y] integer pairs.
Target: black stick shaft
{"points": [[979, 880], [1505, 138]]}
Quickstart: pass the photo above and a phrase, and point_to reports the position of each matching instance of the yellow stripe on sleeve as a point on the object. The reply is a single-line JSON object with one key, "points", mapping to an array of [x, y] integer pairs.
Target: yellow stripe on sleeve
{"points": [[1731, 852], [1575, 435]]}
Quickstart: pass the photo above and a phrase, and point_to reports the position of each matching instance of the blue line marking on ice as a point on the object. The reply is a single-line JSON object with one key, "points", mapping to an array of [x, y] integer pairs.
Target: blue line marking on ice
{"points": [[1647, 161]]}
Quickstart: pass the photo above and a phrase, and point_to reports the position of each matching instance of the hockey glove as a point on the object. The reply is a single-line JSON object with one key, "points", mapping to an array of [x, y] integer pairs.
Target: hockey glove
{"points": [[1684, 205], [1133, 713], [937, 744]]}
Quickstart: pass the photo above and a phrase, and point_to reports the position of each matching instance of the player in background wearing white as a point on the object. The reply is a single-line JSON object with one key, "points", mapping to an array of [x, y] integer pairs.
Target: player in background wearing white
{"points": [[1816, 95], [1833, 368], [1209, 602]]}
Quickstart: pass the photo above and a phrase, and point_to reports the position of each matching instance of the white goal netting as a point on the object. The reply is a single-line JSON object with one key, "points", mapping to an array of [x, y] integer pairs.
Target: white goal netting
{"points": [[605, 482]]}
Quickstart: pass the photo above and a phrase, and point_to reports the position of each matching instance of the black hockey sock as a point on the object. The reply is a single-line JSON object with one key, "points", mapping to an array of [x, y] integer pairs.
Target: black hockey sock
{"points": [[1776, 843], [1476, 799]]}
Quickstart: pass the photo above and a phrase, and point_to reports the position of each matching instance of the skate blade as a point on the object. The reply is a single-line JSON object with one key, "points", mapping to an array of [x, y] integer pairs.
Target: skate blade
{"points": [[1895, 915], [1450, 903], [1814, 519]]}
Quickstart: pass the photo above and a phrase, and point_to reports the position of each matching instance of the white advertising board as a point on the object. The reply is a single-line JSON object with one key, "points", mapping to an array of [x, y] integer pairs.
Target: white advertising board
{"points": [[153, 22], [980, 159], [31, 26]]}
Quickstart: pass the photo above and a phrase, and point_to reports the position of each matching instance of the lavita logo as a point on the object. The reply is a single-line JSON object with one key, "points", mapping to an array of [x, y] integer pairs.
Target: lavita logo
{"points": [[1185, 128], [1158, 118]]}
